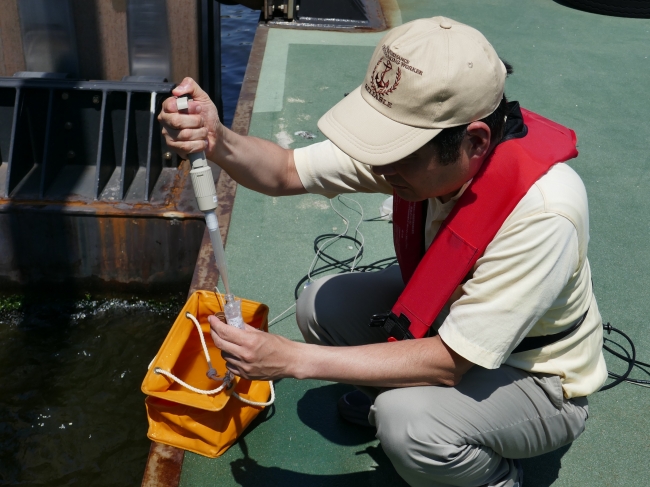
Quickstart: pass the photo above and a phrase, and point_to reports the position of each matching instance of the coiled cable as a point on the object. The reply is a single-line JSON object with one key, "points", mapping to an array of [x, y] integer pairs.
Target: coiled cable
{"points": [[629, 358]]}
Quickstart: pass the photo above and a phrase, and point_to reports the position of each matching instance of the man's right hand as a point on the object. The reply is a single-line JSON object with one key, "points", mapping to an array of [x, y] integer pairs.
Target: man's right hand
{"points": [[258, 164], [197, 130]]}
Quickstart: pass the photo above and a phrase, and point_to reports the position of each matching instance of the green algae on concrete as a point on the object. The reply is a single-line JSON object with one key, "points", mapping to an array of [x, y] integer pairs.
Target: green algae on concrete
{"points": [[586, 71]]}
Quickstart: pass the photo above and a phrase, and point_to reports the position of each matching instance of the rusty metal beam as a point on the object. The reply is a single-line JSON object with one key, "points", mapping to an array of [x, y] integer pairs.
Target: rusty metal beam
{"points": [[89, 245], [11, 43], [163, 466], [184, 39]]}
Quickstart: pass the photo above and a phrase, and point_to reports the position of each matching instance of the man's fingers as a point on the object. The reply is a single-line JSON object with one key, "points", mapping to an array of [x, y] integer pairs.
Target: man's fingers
{"points": [[190, 87], [180, 121], [224, 345], [190, 147], [238, 348], [193, 130], [193, 107], [170, 105], [225, 332], [186, 135]]}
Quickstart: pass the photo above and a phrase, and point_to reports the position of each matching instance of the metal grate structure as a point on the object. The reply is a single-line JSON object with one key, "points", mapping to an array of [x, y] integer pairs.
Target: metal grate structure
{"points": [[95, 140], [90, 196]]}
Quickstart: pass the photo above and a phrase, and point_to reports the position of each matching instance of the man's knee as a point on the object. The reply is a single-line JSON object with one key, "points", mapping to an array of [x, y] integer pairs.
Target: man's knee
{"points": [[306, 314], [417, 438], [313, 323], [336, 310], [410, 432]]}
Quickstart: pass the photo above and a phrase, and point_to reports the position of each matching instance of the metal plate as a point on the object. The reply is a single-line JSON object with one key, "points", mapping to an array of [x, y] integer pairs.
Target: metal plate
{"points": [[48, 34]]}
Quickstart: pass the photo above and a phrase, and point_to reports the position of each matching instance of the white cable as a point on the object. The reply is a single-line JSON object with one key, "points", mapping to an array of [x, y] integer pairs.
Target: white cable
{"points": [[331, 240], [212, 374], [326, 244], [356, 230], [219, 297], [277, 317], [637, 384]]}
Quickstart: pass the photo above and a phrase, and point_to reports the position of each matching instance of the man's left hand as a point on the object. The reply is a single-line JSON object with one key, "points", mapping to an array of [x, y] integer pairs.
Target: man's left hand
{"points": [[251, 353]]}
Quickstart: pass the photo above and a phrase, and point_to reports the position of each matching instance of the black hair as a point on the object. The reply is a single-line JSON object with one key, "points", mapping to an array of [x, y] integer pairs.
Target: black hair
{"points": [[447, 143]]}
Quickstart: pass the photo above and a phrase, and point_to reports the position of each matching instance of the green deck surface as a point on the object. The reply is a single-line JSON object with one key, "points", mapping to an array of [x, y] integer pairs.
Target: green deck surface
{"points": [[586, 71]]}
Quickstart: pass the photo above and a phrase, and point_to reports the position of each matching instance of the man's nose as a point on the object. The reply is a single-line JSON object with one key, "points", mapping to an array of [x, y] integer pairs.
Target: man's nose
{"points": [[386, 170]]}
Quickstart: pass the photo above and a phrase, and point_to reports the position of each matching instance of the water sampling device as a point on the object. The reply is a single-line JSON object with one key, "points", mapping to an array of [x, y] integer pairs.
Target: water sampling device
{"points": [[206, 198]]}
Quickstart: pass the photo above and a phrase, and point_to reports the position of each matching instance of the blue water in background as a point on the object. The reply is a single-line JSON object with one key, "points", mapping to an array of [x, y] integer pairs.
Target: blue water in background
{"points": [[238, 26]]}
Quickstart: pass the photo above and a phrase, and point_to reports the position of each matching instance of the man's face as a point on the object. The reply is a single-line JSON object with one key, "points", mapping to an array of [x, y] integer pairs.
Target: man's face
{"points": [[420, 176]]}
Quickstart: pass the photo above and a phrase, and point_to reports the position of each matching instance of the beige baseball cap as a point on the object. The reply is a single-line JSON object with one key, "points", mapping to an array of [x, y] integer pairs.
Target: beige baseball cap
{"points": [[424, 76]]}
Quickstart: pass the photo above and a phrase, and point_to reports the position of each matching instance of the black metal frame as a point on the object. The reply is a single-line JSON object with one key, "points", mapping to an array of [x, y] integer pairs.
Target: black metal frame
{"points": [[58, 123], [319, 14]]}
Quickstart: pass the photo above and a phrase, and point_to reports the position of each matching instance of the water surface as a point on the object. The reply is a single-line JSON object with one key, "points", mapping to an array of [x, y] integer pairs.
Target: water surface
{"points": [[70, 374]]}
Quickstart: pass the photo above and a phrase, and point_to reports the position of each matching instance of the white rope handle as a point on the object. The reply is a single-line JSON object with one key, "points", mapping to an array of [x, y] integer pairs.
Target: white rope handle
{"points": [[253, 403], [160, 371], [212, 374]]}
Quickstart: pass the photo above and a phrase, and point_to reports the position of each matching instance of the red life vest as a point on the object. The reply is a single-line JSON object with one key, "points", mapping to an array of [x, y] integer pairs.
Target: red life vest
{"points": [[503, 180]]}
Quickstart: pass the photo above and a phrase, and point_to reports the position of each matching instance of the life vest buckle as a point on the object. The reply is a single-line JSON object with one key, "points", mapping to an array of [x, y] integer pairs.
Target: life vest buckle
{"points": [[396, 327]]}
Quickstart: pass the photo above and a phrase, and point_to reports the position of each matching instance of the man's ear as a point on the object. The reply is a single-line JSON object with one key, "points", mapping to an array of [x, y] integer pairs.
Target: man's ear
{"points": [[478, 139]]}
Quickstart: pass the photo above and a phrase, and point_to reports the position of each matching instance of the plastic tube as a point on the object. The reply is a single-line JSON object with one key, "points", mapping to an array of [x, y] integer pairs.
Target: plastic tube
{"points": [[217, 247], [206, 198]]}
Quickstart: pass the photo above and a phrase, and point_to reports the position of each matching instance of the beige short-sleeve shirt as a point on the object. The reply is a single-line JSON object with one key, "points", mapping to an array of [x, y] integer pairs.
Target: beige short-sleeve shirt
{"points": [[533, 279]]}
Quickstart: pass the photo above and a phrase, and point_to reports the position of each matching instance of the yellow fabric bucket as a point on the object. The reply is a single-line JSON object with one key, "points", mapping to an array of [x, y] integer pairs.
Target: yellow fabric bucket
{"points": [[204, 424]]}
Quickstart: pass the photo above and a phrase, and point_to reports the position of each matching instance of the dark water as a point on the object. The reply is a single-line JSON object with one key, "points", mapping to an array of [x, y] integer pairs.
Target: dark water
{"points": [[71, 410], [70, 372]]}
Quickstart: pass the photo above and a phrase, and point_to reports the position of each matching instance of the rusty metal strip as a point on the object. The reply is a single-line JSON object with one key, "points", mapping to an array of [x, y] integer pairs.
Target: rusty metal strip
{"points": [[82, 208], [205, 271], [163, 466], [178, 202]]}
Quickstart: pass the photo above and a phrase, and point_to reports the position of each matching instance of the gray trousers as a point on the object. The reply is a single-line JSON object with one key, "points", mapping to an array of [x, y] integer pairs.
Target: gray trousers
{"points": [[467, 435]]}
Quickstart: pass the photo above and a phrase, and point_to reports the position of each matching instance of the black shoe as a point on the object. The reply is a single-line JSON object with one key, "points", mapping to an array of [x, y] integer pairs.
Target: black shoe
{"points": [[354, 407]]}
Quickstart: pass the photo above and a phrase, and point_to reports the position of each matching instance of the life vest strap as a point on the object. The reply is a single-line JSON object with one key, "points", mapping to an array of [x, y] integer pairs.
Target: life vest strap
{"points": [[397, 327]]}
